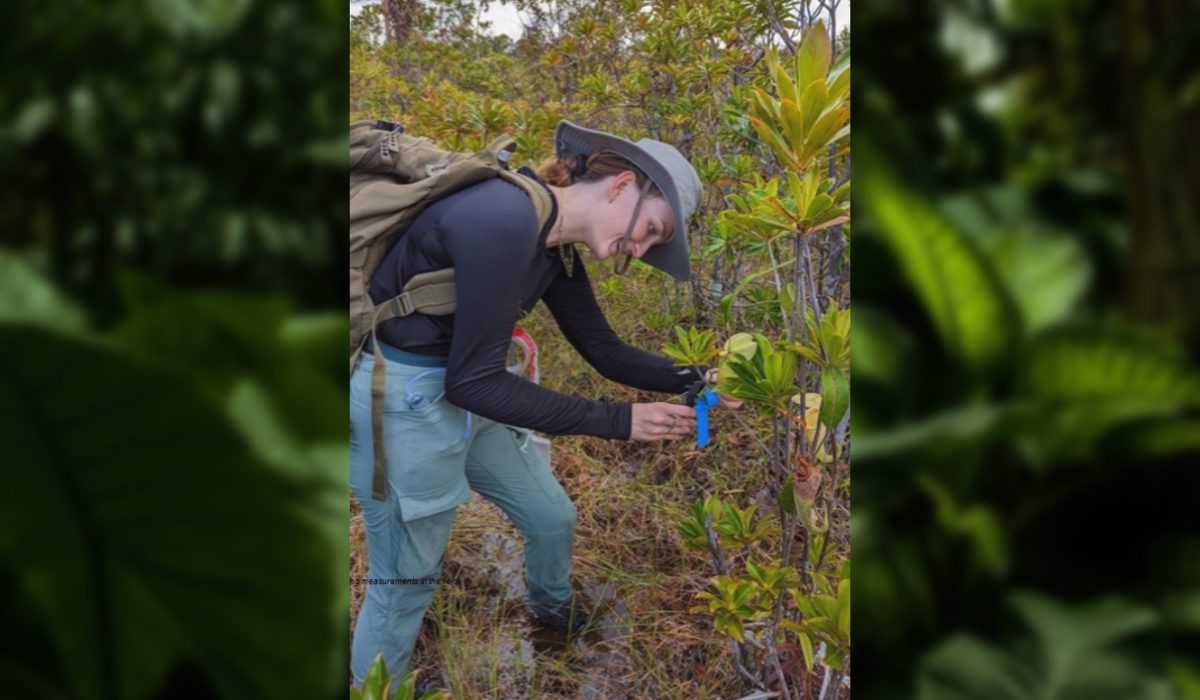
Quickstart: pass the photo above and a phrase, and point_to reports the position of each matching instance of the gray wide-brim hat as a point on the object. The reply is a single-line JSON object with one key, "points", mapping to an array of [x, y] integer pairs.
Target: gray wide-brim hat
{"points": [[669, 171]]}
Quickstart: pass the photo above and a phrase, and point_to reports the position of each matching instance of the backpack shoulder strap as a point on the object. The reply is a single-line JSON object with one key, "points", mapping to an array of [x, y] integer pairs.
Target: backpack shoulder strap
{"points": [[501, 149], [542, 203]]}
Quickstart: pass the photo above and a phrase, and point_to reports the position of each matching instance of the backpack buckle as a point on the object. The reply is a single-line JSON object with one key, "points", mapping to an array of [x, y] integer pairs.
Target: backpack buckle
{"points": [[403, 305]]}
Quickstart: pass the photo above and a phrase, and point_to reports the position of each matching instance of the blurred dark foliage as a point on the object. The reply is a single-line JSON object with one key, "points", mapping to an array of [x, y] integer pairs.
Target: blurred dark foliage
{"points": [[1025, 362], [192, 140], [171, 222]]}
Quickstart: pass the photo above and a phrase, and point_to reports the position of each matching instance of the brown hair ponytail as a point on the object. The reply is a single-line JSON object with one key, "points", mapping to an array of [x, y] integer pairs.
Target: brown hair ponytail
{"points": [[563, 173]]}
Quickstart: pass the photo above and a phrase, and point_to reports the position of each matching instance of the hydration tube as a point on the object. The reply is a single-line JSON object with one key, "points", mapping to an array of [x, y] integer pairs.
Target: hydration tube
{"points": [[523, 339], [530, 360], [417, 400]]}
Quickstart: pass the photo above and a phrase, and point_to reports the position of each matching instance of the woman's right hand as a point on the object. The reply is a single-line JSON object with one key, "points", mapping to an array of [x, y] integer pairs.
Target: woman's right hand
{"points": [[662, 421]]}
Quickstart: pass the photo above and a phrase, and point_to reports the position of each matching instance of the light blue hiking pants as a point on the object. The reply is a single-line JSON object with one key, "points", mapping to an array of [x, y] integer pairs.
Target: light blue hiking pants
{"points": [[434, 463]]}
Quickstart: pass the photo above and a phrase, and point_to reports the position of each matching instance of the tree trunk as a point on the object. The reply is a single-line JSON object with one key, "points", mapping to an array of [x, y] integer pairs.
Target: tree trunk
{"points": [[1163, 156], [398, 18]]}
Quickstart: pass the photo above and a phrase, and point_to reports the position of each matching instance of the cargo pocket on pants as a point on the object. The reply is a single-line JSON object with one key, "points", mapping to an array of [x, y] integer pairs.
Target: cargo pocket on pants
{"points": [[534, 451], [425, 453]]}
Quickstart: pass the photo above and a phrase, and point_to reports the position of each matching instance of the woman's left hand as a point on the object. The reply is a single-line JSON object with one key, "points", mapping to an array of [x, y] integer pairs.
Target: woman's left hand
{"points": [[711, 377]]}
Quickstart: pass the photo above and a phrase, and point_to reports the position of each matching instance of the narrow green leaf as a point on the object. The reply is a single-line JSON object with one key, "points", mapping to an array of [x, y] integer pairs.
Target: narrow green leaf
{"points": [[842, 63], [803, 604], [787, 300], [766, 107], [712, 505], [836, 658], [773, 140], [798, 194], [821, 581], [719, 624], [812, 184], [810, 354], [726, 309], [835, 397], [770, 223], [957, 427], [818, 206], [813, 56], [793, 126], [806, 646], [839, 87], [736, 630], [1046, 272], [407, 689], [734, 517], [844, 602], [28, 297], [828, 224], [743, 594], [377, 683], [823, 624], [827, 606], [813, 103], [824, 132], [787, 496], [783, 84], [956, 284], [778, 207]]}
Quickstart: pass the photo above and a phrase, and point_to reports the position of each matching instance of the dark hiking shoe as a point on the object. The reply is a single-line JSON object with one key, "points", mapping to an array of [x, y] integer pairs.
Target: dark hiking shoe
{"points": [[573, 618], [430, 690]]}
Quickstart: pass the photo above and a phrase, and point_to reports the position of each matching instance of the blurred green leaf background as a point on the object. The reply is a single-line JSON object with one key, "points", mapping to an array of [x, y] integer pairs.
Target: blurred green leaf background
{"points": [[171, 223], [1027, 390]]}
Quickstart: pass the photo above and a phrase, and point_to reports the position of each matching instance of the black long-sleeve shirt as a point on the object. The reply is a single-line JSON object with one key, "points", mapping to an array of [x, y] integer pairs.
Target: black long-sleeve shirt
{"points": [[489, 234]]}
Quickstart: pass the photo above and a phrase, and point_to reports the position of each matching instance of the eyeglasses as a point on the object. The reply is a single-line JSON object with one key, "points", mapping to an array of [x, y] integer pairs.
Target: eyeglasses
{"points": [[619, 266]]}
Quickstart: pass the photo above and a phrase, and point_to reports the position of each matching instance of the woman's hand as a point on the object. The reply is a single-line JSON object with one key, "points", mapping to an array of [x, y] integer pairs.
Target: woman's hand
{"points": [[662, 421], [726, 400]]}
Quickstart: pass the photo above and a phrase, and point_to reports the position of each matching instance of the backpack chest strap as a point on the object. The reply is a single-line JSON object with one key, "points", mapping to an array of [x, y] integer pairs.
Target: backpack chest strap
{"points": [[430, 293]]}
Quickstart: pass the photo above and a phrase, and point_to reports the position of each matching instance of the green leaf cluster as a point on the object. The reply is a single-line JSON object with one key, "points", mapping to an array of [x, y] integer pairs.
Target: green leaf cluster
{"points": [[378, 686], [736, 602], [832, 334], [694, 349], [809, 112], [809, 204], [826, 618], [766, 378], [1068, 652], [733, 527], [1022, 383]]}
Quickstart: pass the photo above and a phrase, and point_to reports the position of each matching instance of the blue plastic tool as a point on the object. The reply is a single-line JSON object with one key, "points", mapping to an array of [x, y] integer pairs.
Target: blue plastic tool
{"points": [[706, 401], [701, 399]]}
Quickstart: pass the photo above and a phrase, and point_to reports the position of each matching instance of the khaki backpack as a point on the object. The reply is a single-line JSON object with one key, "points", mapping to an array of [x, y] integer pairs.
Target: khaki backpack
{"points": [[393, 178]]}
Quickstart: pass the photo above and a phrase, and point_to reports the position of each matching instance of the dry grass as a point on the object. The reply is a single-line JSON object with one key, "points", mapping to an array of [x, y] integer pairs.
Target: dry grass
{"points": [[629, 562]]}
